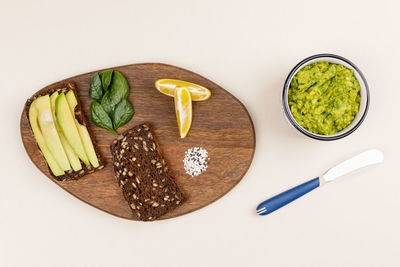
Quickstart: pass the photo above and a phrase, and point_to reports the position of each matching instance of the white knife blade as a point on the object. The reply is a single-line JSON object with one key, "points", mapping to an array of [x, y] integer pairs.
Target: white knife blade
{"points": [[364, 159]]}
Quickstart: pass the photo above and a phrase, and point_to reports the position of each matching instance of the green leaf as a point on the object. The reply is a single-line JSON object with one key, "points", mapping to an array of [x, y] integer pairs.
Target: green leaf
{"points": [[106, 79], [100, 118], [119, 88], [95, 91], [123, 113], [107, 104]]}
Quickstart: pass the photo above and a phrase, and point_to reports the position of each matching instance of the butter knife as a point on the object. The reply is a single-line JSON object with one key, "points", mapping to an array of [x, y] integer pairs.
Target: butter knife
{"points": [[364, 159]]}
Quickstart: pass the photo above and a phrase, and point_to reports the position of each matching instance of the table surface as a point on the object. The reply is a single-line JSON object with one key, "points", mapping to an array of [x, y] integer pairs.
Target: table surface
{"points": [[247, 47]]}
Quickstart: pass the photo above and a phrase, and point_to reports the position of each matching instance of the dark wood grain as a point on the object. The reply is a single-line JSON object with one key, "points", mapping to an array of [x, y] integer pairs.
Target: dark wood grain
{"points": [[221, 125]]}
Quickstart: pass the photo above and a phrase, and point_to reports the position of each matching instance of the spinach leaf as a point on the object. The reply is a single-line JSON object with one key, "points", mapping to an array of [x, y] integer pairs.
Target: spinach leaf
{"points": [[107, 104], [95, 91], [106, 79], [119, 88], [100, 117], [114, 110], [123, 113]]}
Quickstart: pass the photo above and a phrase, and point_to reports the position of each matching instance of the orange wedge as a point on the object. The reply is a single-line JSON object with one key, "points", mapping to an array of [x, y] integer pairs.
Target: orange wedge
{"points": [[183, 109], [168, 86]]}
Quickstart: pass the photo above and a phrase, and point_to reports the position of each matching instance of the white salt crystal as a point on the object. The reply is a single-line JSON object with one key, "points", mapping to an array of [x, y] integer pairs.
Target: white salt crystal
{"points": [[195, 161]]}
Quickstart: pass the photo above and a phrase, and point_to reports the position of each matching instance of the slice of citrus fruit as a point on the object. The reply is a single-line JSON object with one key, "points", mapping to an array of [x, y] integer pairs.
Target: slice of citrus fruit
{"points": [[183, 109], [168, 86]]}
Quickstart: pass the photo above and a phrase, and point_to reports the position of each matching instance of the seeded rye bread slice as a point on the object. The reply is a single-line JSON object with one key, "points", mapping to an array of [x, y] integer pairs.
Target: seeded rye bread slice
{"points": [[142, 173], [65, 87]]}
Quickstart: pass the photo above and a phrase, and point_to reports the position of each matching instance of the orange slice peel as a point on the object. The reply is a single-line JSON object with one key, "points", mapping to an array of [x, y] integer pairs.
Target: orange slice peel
{"points": [[168, 86], [183, 109]]}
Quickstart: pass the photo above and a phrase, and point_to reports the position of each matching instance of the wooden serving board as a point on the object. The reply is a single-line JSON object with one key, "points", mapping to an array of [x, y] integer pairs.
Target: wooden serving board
{"points": [[221, 125]]}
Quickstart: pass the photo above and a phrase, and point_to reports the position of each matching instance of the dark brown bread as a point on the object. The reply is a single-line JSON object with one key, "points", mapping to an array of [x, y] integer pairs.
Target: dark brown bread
{"points": [[65, 87], [142, 173]]}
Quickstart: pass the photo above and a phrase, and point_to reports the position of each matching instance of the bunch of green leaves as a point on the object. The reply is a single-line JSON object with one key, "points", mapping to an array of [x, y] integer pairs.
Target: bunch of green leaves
{"points": [[111, 108]]}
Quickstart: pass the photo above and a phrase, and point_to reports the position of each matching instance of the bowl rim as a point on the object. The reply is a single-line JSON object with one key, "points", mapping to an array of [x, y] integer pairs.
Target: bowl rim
{"points": [[286, 104]]}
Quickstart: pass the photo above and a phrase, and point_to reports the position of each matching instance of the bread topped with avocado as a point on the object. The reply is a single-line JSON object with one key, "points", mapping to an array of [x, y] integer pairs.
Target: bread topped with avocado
{"points": [[60, 130]]}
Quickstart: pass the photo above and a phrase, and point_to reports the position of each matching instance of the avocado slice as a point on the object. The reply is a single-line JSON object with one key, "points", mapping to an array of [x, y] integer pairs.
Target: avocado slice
{"points": [[66, 121], [49, 132], [83, 131], [72, 157], [37, 133]]}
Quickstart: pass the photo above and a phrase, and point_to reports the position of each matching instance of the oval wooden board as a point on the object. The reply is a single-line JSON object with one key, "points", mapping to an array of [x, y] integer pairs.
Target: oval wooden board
{"points": [[221, 125]]}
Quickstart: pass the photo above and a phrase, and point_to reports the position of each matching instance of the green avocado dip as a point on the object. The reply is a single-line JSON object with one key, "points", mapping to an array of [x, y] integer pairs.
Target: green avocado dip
{"points": [[324, 98]]}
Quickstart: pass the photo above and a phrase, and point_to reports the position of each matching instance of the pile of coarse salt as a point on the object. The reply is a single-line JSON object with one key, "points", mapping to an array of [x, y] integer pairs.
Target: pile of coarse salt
{"points": [[195, 161]]}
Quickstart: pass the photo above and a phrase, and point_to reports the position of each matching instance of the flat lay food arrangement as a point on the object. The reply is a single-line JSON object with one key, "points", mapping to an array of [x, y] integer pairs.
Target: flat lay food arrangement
{"points": [[153, 141], [168, 141]]}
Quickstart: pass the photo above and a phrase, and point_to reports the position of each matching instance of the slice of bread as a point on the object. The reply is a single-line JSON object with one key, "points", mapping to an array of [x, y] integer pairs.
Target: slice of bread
{"points": [[142, 174], [65, 87]]}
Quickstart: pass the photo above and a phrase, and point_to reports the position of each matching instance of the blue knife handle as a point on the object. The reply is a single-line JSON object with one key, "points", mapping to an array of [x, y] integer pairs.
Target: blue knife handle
{"points": [[286, 197]]}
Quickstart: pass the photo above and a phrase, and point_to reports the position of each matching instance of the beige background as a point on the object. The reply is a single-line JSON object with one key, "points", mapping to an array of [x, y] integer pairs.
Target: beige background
{"points": [[247, 47]]}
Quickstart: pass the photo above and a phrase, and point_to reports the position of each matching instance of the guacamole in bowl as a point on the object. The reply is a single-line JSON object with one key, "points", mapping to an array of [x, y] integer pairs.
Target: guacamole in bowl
{"points": [[326, 97]]}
